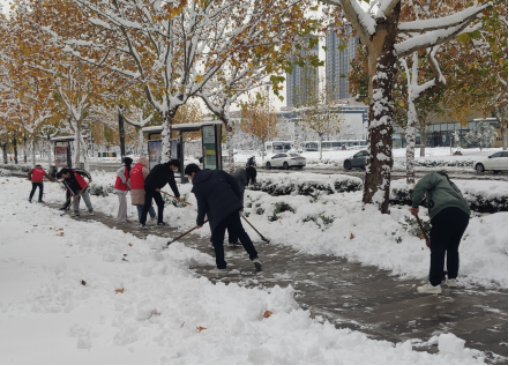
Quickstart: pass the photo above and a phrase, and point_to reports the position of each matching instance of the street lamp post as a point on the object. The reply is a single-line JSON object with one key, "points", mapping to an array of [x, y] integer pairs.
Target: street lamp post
{"points": [[121, 132]]}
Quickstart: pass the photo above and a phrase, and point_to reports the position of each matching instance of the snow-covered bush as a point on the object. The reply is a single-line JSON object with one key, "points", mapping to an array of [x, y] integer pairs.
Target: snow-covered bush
{"points": [[313, 188], [22, 167], [100, 189], [482, 135]]}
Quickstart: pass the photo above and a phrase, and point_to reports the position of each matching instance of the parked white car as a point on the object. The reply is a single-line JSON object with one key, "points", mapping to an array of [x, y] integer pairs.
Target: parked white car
{"points": [[286, 161], [495, 162]]}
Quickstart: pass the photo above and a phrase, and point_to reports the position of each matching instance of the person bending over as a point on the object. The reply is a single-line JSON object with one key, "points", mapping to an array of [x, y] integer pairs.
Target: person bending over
{"points": [[450, 214], [157, 179], [218, 196], [76, 184]]}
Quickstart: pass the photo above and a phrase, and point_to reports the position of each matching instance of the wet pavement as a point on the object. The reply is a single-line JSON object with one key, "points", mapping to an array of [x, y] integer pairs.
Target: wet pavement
{"points": [[358, 297]]}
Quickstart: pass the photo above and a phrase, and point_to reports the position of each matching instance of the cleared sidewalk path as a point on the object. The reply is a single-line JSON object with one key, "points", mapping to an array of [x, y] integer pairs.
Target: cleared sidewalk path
{"points": [[363, 298]]}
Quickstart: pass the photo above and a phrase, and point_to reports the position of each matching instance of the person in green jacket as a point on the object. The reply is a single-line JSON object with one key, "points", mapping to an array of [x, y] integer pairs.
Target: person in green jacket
{"points": [[450, 214]]}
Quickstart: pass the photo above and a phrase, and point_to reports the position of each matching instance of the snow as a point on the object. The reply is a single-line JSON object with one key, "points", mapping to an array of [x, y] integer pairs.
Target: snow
{"points": [[69, 297]]}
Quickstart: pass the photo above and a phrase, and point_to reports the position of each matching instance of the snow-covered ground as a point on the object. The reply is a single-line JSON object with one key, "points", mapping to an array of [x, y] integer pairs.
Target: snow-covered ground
{"points": [[69, 297], [483, 250]]}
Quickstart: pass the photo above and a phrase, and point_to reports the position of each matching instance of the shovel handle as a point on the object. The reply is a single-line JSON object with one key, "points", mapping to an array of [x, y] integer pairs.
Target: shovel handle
{"points": [[75, 198], [187, 203], [181, 236], [261, 236], [422, 228]]}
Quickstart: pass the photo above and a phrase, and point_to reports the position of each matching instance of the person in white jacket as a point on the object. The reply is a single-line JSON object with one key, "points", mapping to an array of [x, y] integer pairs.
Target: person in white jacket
{"points": [[122, 186]]}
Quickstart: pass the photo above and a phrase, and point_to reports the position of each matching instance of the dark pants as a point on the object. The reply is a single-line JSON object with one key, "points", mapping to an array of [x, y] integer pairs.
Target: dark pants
{"points": [[34, 187], [233, 221], [232, 235], [149, 195], [447, 229]]}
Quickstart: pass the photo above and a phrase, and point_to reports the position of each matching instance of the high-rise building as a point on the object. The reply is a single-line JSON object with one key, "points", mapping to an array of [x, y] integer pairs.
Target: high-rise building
{"points": [[337, 62], [302, 83]]}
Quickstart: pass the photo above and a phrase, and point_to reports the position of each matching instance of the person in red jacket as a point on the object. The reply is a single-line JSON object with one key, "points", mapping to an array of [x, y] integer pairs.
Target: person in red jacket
{"points": [[122, 185], [36, 175], [76, 184], [138, 174]]}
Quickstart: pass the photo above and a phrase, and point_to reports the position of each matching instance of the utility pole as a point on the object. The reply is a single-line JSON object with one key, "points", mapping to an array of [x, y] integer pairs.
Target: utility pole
{"points": [[121, 132], [14, 142]]}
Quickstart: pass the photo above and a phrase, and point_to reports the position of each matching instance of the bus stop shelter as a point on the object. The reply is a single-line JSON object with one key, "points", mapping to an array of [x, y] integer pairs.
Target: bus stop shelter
{"points": [[211, 144]]}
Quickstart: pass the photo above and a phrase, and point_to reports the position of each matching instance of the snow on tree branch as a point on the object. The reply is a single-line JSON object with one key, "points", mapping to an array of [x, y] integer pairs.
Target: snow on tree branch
{"points": [[444, 22]]}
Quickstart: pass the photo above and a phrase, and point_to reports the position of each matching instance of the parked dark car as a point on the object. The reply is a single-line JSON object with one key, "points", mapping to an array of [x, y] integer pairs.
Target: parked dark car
{"points": [[359, 161]]}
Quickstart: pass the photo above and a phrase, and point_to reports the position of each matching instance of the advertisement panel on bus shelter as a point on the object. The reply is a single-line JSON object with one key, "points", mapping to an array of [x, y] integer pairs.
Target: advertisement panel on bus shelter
{"points": [[61, 152]]}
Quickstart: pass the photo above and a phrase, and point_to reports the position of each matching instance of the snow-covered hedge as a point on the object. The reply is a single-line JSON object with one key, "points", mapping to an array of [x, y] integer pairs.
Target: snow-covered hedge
{"points": [[302, 185], [481, 196], [12, 167], [437, 162]]}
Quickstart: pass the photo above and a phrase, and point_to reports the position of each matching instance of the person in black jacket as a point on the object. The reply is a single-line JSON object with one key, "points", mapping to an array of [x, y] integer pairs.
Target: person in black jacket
{"points": [[218, 196], [157, 179]]}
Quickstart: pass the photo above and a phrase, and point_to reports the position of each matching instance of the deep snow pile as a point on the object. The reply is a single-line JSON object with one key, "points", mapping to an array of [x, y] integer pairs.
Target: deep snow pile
{"points": [[78, 292]]}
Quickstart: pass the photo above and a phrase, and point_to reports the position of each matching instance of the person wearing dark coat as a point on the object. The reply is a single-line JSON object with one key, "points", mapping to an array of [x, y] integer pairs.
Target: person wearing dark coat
{"points": [[157, 179], [218, 196], [243, 177]]}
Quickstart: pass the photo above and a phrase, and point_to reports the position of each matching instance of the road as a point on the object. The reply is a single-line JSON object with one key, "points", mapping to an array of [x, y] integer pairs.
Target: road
{"points": [[397, 174]]}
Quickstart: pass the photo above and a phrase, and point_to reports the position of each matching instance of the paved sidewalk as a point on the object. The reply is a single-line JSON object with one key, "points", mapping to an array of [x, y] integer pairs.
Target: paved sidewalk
{"points": [[359, 297]]}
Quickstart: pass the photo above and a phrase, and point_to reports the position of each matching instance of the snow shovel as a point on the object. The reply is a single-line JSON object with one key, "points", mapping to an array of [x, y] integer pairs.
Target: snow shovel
{"points": [[187, 203], [181, 236], [75, 198], [261, 236]]}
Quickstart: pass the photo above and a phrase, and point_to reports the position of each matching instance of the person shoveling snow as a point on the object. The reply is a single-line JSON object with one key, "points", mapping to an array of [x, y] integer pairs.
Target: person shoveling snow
{"points": [[450, 214], [76, 184], [218, 196]]}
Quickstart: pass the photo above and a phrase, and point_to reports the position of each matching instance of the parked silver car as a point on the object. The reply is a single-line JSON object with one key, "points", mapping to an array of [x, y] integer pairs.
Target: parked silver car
{"points": [[358, 160]]}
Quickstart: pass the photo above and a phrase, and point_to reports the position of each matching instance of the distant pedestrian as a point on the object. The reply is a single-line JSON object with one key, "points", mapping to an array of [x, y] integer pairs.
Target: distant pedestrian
{"points": [[343, 147], [138, 174], [122, 186], [76, 184], [244, 177], [157, 179], [450, 214], [218, 196], [36, 176]]}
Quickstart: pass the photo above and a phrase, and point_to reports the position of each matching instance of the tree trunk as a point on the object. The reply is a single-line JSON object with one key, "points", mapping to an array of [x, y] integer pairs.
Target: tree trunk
{"points": [[4, 153], [382, 61], [84, 152], [229, 143], [166, 135], [410, 141], [503, 132], [77, 145], [32, 150], [48, 150], [141, 143], [320, 138], [263, 150]]}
